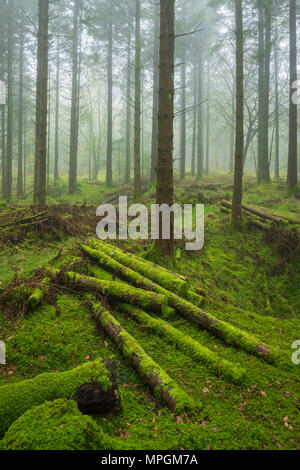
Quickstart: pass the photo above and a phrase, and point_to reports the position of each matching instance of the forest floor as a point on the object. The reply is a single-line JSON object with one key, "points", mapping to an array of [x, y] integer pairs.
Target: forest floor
{"points": [[248, 278]]}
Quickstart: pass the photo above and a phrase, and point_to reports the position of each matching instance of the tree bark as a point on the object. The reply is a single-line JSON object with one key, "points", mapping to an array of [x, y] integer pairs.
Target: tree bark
{"points": [[239, 143], [109, 176], [9, 144], [276, 113], [74, 105], [200, 159], [292, 158], [207, 118], [183, 119], [128, 114], [266, 96], [261, 72], [165, 185], [3, 142], [57, 99], [41, 107], [155, 95], [194, 144], [137, 106], [20, 117]]}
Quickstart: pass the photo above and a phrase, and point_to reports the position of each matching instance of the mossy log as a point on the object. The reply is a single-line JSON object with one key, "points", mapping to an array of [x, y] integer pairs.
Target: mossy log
{"points": [[155, 273], [227, 332], [163, 386], [166, 279], [132, 276], [248, 215], [19, 397], [278, 219], [187, 344], [117, 290]]}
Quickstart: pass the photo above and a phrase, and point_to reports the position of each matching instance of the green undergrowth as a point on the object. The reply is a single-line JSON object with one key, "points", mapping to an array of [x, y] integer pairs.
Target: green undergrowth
{"points": [[244, 282]]}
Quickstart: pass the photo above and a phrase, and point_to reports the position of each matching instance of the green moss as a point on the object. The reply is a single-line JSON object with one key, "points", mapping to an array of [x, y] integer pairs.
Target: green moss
{"points": [[36, 298], [17, 398], [56, 425]]}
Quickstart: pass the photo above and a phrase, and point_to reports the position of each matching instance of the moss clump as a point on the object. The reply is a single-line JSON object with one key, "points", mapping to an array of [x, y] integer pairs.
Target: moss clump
{"points": [[187, 344], [56, 425], [19, 397], [36, 298]]}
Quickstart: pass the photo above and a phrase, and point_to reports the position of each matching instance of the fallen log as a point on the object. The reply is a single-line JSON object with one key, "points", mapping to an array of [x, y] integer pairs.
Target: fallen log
{"points": [[257, 223], [158, 274], [116, 290], [19, 397], [230, 334], [278, 219], [187, 344], [163, 386], [132, 276], [153, 272], [24, 221]]}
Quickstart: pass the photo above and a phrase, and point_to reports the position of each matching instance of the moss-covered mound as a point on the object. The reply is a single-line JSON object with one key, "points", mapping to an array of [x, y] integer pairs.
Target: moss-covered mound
{"points": [[56, 425], [17, 398]]}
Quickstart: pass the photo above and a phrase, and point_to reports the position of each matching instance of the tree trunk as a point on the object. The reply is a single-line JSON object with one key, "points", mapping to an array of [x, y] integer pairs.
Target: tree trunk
{"points": [[232, 135], [292, 159], [155, 95], [165, 188], [137, 107], [20, 117], [193, 169], [56, 151], [25, 153], [9, 144], [3, 143], [109, 176], [266, 99], [200, 117], [41, 107], [183, 119], [207, 118], [128, 114], [276, 113], [74, 105], [261, 73], [239, 143]]}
